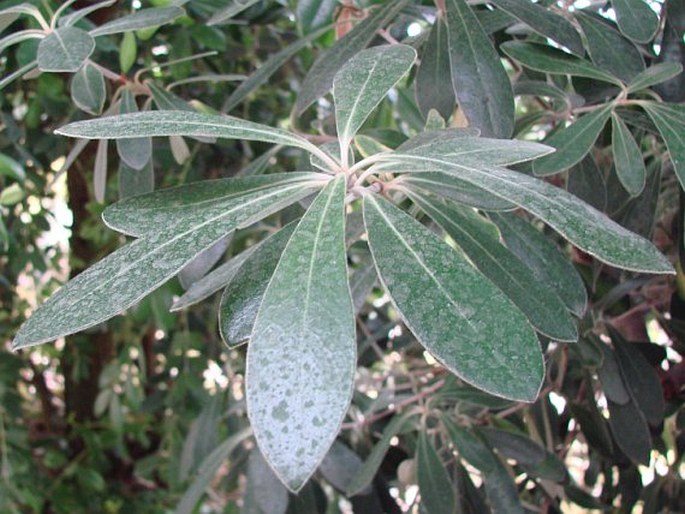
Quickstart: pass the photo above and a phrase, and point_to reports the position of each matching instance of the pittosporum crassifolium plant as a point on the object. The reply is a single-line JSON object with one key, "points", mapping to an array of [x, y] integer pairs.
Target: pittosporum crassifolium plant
{"points": [[477, 308]]}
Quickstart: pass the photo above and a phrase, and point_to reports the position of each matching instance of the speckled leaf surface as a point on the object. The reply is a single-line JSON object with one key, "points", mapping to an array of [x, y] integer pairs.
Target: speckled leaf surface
{"points": [[670, 120], [88, 89], [433, 72], [572, 143], [190, 203], [180, 123], [630, 166], [540, 303], [124, 277], [578, 222], [243, 295], [636, 19], [302, 355], [608, 49], [552, 60], [655, 74], [480, 81], [320, 77], [136, 152], [544, 259], [363, 82], [452, 188], [142, 19], [545, 22], [453, 310], [64, 49]]}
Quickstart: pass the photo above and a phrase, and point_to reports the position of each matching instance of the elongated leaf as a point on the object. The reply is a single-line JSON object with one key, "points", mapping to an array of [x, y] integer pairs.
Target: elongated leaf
{"points": [[451, 188], [14, 38], [88, 89], [296, 405], [143, 19], [478, 150], [320, 77], [613, 384], [262, 74], [134, 182], [434, 72], [435, 486], [64, 49], [232, 8], [540, 303], [166, 100], [264, 494], [670, 120], [136, 152], [655, 74], [242, 297], [575, 220], [100, 171], [609, 49], [203, 262], [124, 277], [340, 466], [586, 181], [11, 168], [630, 431], [362, 280], [551, 60], [373, 462], [514, 446], [630, 167], [168, 207], [207, 469], [480, 82], [447, 136], [572, 143], [179, 123], [499, 486], [636, 19], [363, 82], [439, 295], [545, 22], [74, 17]]}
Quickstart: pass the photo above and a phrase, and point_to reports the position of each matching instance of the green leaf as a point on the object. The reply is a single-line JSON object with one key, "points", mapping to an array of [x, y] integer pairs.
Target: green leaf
{"points": [[100, 171], [542, 256], [11, 168], [179, 123], [613, 385], [630, 431], [320, 77], [655, 74], [435, 486], [362, 281], [264, 493], [636, 19], [545, 22], [670, 120], [203, 262], [453, 189], [630, 166], [594, 427], [586, 181], [608, 49], [296, 405], [573, 142], [340, 466], [642, 381], [165, 100], [136, 152], [499, 487], [134, 182], [12, 195], [143, 19], [551, 60], [373, 462], [514, 446], [72, 18], [540, 303], [439, 295], [480, 81], [64, 49], [578, 222], [363, 82], [149, 213], [88, 89], [314, 14], [232, 8], [244, 293], [434, 72], [124, 277], [128, 52], [207, 469], [262, 74]]}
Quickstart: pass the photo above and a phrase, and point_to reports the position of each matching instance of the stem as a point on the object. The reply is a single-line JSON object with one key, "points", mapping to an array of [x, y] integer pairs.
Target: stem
{"points": [[107, 72]]}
